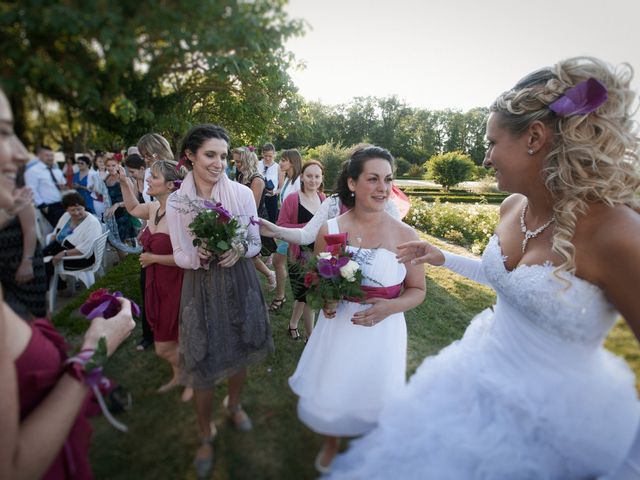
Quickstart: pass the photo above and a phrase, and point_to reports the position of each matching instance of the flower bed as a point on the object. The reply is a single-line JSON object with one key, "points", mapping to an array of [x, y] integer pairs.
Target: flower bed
{"points": [[469, 226]]}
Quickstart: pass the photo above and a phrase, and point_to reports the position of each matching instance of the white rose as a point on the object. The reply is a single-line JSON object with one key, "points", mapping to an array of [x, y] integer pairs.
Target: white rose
{"points": [[349, 270], [325, 255]]}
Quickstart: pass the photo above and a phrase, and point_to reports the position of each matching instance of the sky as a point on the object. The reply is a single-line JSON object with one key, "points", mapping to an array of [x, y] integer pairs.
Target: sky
{"points": [[456, 54]]}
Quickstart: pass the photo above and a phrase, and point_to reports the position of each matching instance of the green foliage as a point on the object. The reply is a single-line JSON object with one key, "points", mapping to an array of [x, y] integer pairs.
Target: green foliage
{"points": [[449, 169], [402, 166], [332, 157], [470, 226], [415, 171], [213, 231], [189, 61]]}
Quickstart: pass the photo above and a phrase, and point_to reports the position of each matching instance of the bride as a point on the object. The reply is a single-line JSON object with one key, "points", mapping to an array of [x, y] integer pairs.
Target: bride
{"points": [[529, 392]]}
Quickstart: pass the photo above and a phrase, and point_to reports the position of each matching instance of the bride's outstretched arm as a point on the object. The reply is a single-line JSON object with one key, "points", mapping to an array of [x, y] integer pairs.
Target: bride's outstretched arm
{"points": [[422, 251], [300, 236]]}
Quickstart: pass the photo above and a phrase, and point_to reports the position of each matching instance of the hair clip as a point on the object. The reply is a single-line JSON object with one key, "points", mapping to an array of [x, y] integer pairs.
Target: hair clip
{"points": [[580, 99]]}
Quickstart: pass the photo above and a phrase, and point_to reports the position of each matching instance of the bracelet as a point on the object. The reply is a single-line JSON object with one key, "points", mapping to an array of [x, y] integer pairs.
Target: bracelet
{"points": [[87, 367]]}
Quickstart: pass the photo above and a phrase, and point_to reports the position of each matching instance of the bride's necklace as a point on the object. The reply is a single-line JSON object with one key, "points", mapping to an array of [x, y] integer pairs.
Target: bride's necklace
{"points": [[156, 220], [528, 234]]}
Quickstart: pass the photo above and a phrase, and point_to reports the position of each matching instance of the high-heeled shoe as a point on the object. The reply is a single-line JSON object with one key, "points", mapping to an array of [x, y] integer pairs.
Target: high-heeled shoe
{"points": [[243, 425]]}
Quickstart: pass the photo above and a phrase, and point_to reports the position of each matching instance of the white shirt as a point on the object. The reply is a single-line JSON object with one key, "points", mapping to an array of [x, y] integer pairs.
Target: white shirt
{"points": [[272, 173], [288, 188], [39, 180]]}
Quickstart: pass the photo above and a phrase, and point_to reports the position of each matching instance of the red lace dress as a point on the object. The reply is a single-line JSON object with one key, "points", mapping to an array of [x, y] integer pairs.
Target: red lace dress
{"points": [[38, 369]]}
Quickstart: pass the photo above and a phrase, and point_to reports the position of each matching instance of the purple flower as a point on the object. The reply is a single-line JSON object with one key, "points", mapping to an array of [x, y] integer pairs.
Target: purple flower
{"points": [[176, 184], [101, 303], [330, 267], [223, 214]]}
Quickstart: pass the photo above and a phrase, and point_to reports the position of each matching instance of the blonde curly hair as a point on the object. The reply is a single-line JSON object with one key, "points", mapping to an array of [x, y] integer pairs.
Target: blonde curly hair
{"points": [[593, 157]]}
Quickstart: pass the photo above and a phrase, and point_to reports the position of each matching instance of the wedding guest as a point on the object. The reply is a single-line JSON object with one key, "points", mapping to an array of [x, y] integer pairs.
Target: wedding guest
{"points": [[45, 432], [270, 170], [83, 181], [529, 391], [46, 181], [296, 211], [247, 168], [163, 279], [290, 166], [23, 274], [69, 169], [74, 235], [152, 147], [127, 225], [355, 360], [224, 325]]}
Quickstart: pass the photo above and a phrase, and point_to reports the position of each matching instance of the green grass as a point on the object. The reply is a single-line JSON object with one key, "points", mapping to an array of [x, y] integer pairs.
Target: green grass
{"points": [[163, 434]]}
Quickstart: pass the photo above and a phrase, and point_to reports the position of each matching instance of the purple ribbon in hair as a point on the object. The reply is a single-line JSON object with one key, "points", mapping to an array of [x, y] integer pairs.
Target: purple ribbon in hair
{"points": [[581, 99]]}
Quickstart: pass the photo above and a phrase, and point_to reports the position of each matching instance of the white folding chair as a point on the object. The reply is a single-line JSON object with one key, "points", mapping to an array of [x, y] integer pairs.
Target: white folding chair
{"points": [[86, 275]]}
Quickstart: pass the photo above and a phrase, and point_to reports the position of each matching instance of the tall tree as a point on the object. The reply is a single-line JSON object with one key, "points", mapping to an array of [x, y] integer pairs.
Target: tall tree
{"points": [[132, 66]]}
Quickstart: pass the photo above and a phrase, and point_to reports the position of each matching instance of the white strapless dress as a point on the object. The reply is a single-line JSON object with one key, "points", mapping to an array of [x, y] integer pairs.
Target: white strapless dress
{"points": [[347, 372], [529, 392]]}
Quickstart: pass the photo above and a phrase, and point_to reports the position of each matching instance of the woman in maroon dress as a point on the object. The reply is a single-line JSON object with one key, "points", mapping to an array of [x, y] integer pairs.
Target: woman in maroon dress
{"points": [[44, 430], [163, 282]]}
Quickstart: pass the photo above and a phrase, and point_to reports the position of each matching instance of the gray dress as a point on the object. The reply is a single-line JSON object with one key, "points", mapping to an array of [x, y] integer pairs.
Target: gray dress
{"points": [[224, 324]]}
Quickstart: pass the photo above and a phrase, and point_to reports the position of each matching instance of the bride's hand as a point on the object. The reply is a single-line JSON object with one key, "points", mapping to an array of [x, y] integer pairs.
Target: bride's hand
{"points": [[268, 229], [369, 317], [419, 251]]}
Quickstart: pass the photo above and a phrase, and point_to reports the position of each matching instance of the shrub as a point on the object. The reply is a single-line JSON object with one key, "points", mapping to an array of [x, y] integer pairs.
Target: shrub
{"points": [[331, 156], [402, 166], [449, 169], [467, 225], [415, 171]]}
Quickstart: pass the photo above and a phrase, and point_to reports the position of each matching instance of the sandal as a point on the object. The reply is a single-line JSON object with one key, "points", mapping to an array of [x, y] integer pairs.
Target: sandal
{"points": [[277, 304], [294, 334], [245, 424], [204, 466]]}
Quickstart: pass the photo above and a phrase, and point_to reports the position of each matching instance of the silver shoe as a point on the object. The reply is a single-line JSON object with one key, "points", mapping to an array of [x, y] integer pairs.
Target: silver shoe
{"points": [[244, 425]]}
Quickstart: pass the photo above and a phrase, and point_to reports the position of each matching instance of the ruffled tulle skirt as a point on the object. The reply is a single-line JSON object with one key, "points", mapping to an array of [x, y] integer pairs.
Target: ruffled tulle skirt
{"points": [[467, 413]]}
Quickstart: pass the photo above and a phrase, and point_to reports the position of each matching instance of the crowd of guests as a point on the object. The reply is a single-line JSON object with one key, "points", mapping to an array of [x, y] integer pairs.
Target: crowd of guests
{"points": [[522, 395]]}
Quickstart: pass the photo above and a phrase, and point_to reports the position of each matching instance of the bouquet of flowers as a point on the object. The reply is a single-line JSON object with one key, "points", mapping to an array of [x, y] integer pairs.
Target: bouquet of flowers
{"points": [[332, 275], [215, 229]]}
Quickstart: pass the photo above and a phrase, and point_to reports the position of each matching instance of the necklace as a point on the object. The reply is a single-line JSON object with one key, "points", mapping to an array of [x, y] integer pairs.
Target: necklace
{"points": [[156, 220], [528, 234]]}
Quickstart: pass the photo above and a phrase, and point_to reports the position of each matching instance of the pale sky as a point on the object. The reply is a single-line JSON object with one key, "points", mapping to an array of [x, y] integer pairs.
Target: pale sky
{"points": [[451, 53]]}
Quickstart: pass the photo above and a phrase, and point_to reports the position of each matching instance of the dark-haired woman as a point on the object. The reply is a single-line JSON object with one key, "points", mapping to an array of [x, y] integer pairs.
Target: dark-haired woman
{"points": [[83, 181], [74, 235], [356, 358], [224, 324]]}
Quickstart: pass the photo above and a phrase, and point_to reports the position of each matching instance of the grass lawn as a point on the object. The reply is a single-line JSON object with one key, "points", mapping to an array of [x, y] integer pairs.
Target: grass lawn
{"points": [[163, 435]]}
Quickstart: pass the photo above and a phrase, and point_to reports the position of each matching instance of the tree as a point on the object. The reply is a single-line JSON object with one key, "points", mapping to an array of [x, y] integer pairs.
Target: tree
{"points": [[331, 156], [449, 169], [134, 66]]}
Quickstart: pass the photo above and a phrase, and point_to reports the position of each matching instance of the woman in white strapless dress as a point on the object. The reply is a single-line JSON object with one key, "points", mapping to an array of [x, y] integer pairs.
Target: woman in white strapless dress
{"points": [[356, 357], [529, 392]]}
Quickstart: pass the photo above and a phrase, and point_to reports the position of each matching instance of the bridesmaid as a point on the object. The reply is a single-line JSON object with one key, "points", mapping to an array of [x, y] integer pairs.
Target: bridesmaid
{"points": [[83, 181], [163, 278]]}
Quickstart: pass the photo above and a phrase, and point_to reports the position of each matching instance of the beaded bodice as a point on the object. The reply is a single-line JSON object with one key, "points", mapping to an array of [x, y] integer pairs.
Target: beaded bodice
{"points": [[576, 312]]}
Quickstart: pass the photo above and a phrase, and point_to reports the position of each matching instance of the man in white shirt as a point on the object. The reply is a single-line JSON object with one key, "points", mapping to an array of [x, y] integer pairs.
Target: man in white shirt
{"points": [[46, 181], [270, 170]]}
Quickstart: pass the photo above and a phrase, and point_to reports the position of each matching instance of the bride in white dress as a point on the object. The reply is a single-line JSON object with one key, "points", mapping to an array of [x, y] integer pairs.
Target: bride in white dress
{"points": [[529, 392], [356, 357]]}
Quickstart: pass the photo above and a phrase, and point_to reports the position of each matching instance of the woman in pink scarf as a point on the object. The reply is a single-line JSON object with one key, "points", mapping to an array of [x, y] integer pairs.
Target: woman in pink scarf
{"points": [[224, 325]]}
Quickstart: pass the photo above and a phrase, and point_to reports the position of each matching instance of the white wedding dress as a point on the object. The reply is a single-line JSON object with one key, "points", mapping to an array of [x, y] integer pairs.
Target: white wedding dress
{"points": [[528, 392]]}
